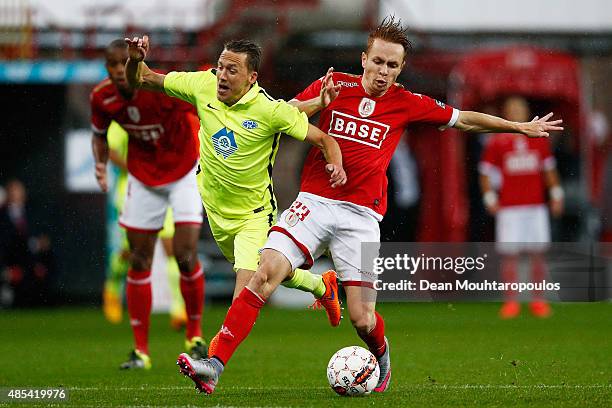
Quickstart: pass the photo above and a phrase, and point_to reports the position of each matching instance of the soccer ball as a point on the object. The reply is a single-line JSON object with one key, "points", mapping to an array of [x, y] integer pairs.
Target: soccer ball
{"points": [[353, 371]]}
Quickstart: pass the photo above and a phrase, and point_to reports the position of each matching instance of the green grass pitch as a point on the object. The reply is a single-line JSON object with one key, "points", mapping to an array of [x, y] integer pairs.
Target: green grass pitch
{"points": [[443, 355]]}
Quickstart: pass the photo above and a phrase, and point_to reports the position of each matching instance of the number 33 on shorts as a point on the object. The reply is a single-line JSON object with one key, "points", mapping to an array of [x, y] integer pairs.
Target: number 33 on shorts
{"points": [[297, 212]]}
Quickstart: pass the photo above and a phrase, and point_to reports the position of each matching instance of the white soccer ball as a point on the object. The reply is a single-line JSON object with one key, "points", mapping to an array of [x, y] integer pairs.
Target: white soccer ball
{"points": [[353, 371]]}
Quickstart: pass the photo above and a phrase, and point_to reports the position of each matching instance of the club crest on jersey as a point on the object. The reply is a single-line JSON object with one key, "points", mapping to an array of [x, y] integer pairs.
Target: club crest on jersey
{"points": [[520, 144], [291, 219], [224, 143], [366, 107], [249, 124], [133, 113]]}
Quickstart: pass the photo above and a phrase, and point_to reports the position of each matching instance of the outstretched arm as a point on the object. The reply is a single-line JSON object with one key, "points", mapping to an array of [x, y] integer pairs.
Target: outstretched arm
{"points": [[138, 73], [332, 153], [329, 92], [476, 122]]}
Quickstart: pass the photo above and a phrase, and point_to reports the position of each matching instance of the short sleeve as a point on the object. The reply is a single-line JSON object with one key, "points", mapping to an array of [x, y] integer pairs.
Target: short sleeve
{"points": [[288, 119], [100, 120], [183, 85], [429, 110], [313, 90], [490, 160]]}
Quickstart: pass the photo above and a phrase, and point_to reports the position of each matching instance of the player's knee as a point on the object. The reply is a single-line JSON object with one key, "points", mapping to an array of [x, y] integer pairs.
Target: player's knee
{"points": [[267, 268], [259, 279], [141, 261], [363, 321], [186, 261], [186, 255]]}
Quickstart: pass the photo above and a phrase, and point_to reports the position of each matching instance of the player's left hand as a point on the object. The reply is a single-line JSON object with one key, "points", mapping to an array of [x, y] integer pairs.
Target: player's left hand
{"points": [[329, 91], [337, 175], [540, 127]]}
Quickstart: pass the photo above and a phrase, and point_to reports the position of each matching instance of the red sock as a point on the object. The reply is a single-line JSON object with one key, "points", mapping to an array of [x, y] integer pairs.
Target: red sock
{"points": [[238, 323], [192, 289], [375, 339], [509, 275], [139, 306], [538, 273]]}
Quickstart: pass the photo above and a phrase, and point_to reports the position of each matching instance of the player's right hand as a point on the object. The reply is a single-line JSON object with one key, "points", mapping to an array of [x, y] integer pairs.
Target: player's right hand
{"points": [[138, 47], [540, 127], [337, 176], [101, 176]]}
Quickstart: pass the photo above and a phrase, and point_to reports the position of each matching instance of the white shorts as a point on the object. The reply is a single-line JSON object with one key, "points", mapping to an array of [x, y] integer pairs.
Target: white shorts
{"points": [[524, 228], [145, 207], [314, 224]]}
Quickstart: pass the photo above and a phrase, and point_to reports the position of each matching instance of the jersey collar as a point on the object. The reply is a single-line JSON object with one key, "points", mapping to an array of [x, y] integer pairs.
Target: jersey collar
{"points": [[249, 96]]}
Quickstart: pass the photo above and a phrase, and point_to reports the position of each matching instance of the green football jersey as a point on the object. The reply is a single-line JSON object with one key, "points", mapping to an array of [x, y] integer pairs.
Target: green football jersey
{"points": [[238, 143]]}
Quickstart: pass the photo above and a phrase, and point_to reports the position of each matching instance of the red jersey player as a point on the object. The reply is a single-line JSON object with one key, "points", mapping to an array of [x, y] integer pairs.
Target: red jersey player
{"points": [[527, 168], [161, 163], [366, 114]]}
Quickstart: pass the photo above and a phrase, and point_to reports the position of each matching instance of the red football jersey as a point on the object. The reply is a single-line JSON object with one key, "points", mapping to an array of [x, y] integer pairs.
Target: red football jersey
{"points": [[163, 131], [368, 130], [520, 161]]}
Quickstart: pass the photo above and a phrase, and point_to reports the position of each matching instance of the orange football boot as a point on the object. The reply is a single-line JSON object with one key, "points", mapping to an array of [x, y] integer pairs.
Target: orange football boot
{"points": [[510, 310], [540, 308], [330, 300]]}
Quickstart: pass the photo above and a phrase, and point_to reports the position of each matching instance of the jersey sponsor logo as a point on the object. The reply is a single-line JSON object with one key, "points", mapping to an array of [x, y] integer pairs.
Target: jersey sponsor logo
{"points": [[366, 107], [133, 113], [224, 143], [249, 124], [109, 100], [146, 133], [522, 162], [364, 131]]}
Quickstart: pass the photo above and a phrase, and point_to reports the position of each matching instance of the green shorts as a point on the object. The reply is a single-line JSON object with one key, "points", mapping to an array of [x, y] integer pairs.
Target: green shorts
{"points": [[241, 240]]}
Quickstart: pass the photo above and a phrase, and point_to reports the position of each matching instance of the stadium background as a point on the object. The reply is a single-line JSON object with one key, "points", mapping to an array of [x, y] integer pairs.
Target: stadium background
{"points": [[470, 53], [558, 54]]}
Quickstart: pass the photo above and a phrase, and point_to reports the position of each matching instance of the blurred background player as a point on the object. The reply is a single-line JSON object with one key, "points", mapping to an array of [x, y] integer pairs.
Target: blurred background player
{"points": [[161, 162], [27, 262], [527, 169], [118, 249], [367, 115], [239, 138]]}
